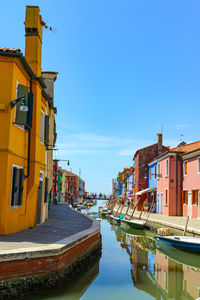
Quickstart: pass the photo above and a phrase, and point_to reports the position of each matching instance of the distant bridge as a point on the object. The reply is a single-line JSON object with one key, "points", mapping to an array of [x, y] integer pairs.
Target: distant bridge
{"points": [[98, 196]]}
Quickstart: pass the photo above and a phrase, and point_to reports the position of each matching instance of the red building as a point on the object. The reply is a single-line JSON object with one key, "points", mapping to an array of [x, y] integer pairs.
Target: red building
{"points": [[71, 185], [142, 157]]}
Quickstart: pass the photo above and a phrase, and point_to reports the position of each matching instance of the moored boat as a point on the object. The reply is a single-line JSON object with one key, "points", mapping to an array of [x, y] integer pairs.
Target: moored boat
{"points": [[185, 243], [138, 224]]}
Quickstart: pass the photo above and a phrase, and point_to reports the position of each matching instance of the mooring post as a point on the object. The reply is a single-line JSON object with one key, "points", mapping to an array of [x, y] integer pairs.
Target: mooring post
{"points": [[186, 225]]}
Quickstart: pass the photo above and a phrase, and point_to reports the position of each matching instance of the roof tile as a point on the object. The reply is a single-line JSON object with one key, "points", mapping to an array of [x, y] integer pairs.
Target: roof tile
{"points": [[10, 50]]}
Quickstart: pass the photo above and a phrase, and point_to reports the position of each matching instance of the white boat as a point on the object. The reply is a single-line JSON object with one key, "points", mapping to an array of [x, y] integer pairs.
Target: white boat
{"points": [[186, 243], [138, 224]]}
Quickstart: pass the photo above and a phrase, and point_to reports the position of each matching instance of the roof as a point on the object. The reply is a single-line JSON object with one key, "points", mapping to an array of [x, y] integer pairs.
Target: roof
{"points": [[163, 147], [186, 148], [11, 50]]}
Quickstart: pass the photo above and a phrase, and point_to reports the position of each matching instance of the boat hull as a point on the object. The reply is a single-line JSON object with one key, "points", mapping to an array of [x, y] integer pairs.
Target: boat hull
{"points": [[136, 225], [179, 244]]}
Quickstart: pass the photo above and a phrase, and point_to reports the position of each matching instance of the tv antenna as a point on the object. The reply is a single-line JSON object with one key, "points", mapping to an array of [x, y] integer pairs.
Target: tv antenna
{"points": [[54, 30], [181, 138]]}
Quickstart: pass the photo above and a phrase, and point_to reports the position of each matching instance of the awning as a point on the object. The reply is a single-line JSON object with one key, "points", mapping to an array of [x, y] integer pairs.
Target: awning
{"points": [[145, 191]]}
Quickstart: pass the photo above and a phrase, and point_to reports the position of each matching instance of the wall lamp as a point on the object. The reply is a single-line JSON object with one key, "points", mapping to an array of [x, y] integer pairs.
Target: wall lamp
{"points": [[23, 106]]}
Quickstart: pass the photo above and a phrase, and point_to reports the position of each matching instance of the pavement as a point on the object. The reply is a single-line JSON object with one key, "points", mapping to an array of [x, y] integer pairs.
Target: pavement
{"points": [[174, 222], [63, 222]]}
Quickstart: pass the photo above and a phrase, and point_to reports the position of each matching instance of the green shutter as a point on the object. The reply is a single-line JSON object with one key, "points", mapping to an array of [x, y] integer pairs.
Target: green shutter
{"points": [[21, 116], [21, 181], [46, 134], [30, 110]]}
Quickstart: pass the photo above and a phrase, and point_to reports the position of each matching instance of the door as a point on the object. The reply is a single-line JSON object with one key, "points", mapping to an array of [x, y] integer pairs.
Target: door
{"points": [[161, 203], [157, 210], [190, 204], [39, 203]]}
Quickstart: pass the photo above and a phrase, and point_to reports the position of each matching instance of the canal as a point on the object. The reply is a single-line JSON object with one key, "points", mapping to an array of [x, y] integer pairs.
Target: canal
{"points": [[132, 267]]}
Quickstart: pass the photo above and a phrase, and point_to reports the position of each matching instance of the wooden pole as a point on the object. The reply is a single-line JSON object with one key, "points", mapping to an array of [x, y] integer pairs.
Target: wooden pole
{"points": [[150, 209], [186, 225], [135, 207], [141, 211]]}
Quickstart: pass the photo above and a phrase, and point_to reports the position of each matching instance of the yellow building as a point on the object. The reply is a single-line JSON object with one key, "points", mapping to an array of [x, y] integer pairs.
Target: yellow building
{"points": [[24, 135], [49, 78]]}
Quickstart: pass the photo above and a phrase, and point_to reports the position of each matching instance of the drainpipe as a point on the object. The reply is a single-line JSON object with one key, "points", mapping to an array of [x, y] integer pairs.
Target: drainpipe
{"points": [[29, 137]]}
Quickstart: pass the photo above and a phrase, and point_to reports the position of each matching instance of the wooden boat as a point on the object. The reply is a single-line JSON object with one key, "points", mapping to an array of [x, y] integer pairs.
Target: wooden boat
{"points": [[115, 219], [138, 224], [185, 243]]}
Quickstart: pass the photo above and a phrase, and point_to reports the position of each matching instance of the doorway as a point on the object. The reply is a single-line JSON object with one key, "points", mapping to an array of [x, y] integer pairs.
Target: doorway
{"points": [[161, 203], [190, 204], [157, 204], [39, 203]]}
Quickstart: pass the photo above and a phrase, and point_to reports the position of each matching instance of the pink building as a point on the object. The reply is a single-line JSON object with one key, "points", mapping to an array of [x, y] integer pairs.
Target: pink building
{"points": [[171, 200], [191, 183]]}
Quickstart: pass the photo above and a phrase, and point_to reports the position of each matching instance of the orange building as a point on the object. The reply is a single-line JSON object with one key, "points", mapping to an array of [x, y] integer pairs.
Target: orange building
{"points": [[24, 133]]}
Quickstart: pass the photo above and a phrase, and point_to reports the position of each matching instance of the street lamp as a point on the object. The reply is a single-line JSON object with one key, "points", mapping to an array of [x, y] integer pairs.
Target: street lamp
{"points": [[23, 106]]}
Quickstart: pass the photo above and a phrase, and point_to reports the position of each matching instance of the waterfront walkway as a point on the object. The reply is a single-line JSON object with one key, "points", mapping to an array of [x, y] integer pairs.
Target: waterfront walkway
{"points": [[62, 223], [159, 220]]}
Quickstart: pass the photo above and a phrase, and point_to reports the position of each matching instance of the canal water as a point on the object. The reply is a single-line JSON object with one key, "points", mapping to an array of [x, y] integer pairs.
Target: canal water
{"points": [[133, 267]]}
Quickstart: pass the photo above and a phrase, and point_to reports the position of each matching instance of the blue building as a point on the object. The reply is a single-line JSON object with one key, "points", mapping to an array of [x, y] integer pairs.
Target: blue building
{"points": [[152, 183]]}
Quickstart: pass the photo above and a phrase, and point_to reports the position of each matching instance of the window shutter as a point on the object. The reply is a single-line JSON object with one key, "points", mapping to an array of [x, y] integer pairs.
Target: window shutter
{"points": [[21, 180], [30, 110], [13, 186], [46, 131], [21, 116]]}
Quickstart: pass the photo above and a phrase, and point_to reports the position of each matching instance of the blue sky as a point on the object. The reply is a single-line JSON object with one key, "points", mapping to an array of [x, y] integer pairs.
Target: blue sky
{"points": [[126, 69]]}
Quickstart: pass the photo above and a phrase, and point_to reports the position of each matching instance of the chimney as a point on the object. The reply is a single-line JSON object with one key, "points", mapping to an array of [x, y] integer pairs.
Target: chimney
{"points": [[49, 78], [159, 141], [33, 38]]}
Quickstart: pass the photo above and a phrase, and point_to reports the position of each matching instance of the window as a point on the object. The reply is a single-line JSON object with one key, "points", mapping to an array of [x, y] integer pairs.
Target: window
{"points": [[42, 121], [165, 281], [195, 197], [166, 197], [185, 197], [21, 116], [150, 174], [185, 285], [185, 168], [155, 172], [166, 167], [158, 174], [198, 165], [17, 186]]}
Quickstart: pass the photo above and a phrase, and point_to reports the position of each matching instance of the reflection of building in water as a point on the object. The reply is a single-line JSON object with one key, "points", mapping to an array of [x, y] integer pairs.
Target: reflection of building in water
{"points": [[191, 282], [79, 287], [168, 276]]}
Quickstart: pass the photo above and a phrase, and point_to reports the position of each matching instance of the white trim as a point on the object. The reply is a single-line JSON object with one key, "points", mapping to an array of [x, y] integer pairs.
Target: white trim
{"points": [[190, 155], [198, 165], [41, 177], [18, 167], [166, 155], [167, 167], [42, 141], [22, 127]]}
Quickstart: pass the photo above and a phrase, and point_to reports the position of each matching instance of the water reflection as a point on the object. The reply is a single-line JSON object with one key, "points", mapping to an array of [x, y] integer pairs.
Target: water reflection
{"points": [[162, 272]]}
